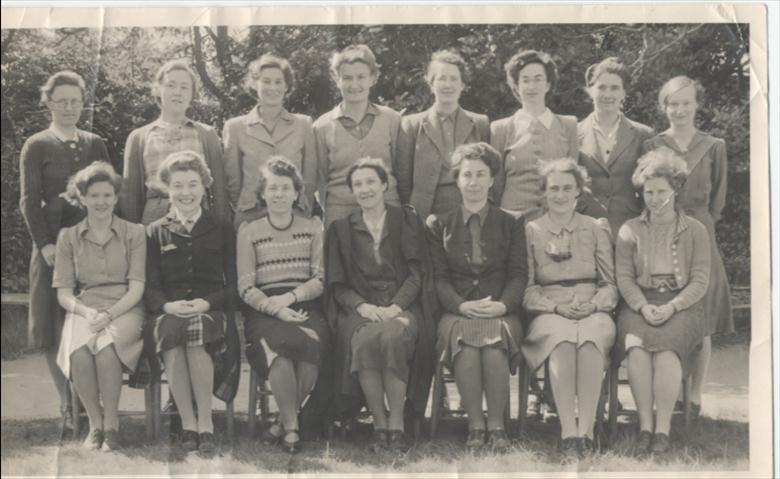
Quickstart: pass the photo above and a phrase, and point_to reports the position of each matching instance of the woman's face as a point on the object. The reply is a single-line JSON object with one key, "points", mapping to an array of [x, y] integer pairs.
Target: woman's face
{"points": [[447, 84], [532, 84], [681, 106], [368, 189], [607, 93], [474, 180], [176, 91], [186, 191], [271, 87], [659, 195], [355, 81], [279, 193], [100, 200], [65, 104], [561, 192]]}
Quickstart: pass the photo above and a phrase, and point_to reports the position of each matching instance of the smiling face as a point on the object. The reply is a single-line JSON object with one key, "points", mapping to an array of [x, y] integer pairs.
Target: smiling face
{"points": [[65, 104], [447, 84], [279, 194], [271, 87], [100, 200], [659, 195], [355, 81], [368, 189], [474, 180], [176, 91], [532, 84], [186, 191], [607, 93], [561, 192], [681, 107]]}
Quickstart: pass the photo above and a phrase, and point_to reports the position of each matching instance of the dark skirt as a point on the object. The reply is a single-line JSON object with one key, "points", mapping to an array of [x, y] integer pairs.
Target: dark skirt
{"points": [[46, 316], [455, 331], [288, 340], [682, 333], [384, 345]]}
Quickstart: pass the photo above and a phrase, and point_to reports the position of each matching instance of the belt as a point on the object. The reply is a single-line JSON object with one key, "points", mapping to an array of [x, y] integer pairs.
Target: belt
{"points": [[572, 282]]}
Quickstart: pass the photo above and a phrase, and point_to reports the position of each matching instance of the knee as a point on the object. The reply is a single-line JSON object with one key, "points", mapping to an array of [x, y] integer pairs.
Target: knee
{"points": [[392, 337]]}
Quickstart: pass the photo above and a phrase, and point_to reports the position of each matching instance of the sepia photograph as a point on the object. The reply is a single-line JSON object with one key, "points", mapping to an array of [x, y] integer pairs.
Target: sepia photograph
{"points": [[397, 240]]}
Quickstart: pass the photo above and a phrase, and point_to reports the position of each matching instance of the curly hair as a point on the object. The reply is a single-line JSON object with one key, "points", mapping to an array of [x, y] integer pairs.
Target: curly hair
{"points": [[280, 166], [476, 151], [64, 77], [97, 172], [268, 60], [354, 54], [564, 165], [451, 57], [524, 58], [186, 160], [608, 65], [375, 164], [663, 163]]}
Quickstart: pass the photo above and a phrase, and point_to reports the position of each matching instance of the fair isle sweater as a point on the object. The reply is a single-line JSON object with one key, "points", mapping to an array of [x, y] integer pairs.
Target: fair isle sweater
{"points": [[270, 258]]}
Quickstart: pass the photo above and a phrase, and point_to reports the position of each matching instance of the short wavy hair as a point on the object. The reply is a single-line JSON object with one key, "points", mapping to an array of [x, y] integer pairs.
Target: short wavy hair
{"points": [[171, 66], [186, 160], [608, 65], [63, 77], [564, 165], [676, 84], [279, 166], [451, 57], [663, 163], [354, 54], [476, 151], [97, 172], [268, 60], [524, 58], [375, 164]]}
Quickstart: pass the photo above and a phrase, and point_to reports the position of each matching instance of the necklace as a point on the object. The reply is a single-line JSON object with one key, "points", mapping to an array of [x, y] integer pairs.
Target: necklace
{"points": [[292, 218]]}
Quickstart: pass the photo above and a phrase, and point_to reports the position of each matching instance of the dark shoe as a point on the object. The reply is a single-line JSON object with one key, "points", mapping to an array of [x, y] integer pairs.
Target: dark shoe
{"points": [[378, 441], [586, 447], [396, 440], [273, 434], [695, 410], [111, 441], [643, 442], [174, 420], [189, 440], [570, 448], [94, 440], [207, 444], [66, 426], [660, 443], [292, 441], [475, 440], [497, 440]]}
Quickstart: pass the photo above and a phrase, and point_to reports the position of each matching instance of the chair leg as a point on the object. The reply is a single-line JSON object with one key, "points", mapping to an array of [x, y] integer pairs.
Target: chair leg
{"points": [[598, 432], [149, 414], [252, 409], [157, 409], [508, 412], [231, 427], [75, 404], [687, 403], [613, 401], [264, 409], [524, 383], [437, 399]]}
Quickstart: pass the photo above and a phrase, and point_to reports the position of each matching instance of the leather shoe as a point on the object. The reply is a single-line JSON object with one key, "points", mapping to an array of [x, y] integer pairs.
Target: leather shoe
{"points": [[643, 442], [292, 441], [475, 440], [497, 440], [396, 440], [660, 443], [378, 440], [207, 444], [189, 440], [570, 448]]}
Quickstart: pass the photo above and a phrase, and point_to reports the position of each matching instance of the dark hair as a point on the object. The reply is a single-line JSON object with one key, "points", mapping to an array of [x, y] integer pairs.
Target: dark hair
{"points": [[563, 165], [186, 160], [64, 77], [664, 163], [676, 84], [268, 60], [168, 67], [354, 54], [451, 57], [524, 58], [476, 151], [375, 164], [608, 65], [280, 166], [97, 172]]}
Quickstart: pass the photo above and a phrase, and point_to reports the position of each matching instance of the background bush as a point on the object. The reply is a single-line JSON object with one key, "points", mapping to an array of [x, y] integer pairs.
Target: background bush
{"points": [[118, 63]]}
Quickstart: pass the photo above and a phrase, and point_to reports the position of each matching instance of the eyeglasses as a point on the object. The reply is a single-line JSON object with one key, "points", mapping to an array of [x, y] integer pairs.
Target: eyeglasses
{"points": [[65, 103]]}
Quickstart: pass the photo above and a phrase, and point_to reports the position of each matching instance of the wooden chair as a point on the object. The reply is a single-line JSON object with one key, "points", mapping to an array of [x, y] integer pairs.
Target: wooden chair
{"points": [[259, 392]]}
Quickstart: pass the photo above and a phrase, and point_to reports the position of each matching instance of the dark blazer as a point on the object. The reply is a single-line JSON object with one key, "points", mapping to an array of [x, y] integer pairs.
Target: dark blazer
{"points": [[611, 179], [420, 153], [504, 272], [184, 266]]}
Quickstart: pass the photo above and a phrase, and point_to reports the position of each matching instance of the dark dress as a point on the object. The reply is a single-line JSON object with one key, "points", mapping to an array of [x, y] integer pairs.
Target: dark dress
{"points": [[45, 166], [200, 264]]}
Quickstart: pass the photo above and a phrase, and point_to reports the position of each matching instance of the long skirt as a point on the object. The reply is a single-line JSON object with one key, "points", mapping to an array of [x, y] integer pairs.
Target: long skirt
{"points": [[682, 333], [456, 331], [46, 316]]}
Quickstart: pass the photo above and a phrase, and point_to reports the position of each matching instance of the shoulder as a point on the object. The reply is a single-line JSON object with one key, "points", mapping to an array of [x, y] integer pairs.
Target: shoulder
{"points": [[311, 224], [386, 110], [40, 140], [476, 117], [325, 119], [645, 130], [235, 122], [713, 140], [629, 229], [204, 128], [438, 221], [69, 235], [132, 229], [90, 137], [697, 227], [597, 225], [501, 124], [301, 119], [586, 122], [413, 120], [569, 122]]}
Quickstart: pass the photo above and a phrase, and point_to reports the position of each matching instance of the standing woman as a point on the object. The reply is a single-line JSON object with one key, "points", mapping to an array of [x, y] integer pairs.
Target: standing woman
{"points": [[48, 159], [268, 130], [571, 292], [532, 134], [356, 128], [480, 268], [99, 274], [663, 267], [191, 284], [610, 143], [703, 197], [280, 279], [144, 199], [374, 276], [427, 139]]}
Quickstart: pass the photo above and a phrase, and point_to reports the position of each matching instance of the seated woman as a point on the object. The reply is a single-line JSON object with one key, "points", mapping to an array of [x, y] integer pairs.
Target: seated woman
{"points": [[280, 279], [479, 259], [662, 264], [191, 279], [571, 291], [374, 278], [99, 273]]}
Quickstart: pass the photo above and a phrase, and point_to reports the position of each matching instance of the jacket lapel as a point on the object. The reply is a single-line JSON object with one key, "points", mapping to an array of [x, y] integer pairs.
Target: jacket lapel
{"points": [[431, 130], [589, 145], [463, 127], [625, 135]]}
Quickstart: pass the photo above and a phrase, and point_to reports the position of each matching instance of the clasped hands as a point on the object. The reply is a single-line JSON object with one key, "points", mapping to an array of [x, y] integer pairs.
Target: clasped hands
{"points": [[657, 315], [484, 308], [575, 310], [97, 320], [376, 313], [187, 308], [279, 306]]}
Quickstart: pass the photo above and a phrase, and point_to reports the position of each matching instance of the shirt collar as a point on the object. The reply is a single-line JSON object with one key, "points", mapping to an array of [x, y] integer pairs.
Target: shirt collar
{"points": [[254, 116], [612, 130], [370, 110], [61, 135], [682, 223], [181, 219], [83, 227], [573, 224], [545, 118], [482, 214], [160, 123], [449, 116]]}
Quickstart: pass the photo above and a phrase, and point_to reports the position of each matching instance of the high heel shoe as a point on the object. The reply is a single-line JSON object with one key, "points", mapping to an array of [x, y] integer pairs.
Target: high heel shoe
{"points": [[291, 446]]}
